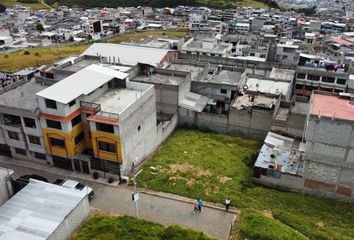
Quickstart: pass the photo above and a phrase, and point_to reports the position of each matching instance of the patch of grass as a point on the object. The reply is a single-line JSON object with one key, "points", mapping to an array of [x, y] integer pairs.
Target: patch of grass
{"points": [[128, 228], [36, 56], [195, 164], [178, 165], [34, 6], [134, 36], [254, 225], [15, 61], [233, 3]]}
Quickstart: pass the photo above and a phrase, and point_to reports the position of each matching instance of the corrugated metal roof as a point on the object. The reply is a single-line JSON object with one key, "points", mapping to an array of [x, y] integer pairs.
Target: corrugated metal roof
{"points": [[36, 211], [126, 54], [81, 83]]}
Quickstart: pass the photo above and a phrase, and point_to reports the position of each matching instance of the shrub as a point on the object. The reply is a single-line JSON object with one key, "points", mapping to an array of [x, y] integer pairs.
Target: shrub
{"points": [[95, 175], [6, 56], [37, 54], [110, 180], [26, 52]]}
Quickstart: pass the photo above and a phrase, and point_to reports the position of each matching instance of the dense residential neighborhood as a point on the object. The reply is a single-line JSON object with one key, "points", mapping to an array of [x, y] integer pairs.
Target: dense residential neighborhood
{"points": [[177, 123]]}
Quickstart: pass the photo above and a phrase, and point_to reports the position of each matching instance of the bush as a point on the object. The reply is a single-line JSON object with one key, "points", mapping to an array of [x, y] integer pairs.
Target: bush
{"points": [[26, 52], [110, 180], [6, 56], [37, 54], [95, 175]]}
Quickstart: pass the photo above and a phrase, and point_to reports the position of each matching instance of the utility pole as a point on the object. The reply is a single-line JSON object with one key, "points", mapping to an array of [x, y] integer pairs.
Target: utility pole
{"points": [[135, 194]]}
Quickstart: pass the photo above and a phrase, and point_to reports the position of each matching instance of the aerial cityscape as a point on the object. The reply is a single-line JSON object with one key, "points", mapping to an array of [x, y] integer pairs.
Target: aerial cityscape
{"points": [[181, 120]]}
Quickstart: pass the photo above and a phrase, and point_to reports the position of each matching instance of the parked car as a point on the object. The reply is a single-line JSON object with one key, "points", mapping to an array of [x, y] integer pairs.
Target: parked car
{"points": [[77, 186], [22, 181]]}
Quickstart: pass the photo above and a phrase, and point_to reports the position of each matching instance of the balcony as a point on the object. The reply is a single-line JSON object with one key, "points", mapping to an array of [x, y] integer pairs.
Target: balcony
{"points": [[90, 107]]}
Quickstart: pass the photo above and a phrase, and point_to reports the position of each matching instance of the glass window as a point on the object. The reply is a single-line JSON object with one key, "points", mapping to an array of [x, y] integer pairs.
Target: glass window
{"points": [[104, 127], [13, 135], [223, 91], [341, 81], [34, 139], [39, 155], [313, 77], [57, 142], [76, 120], [107, 147], [50, 104], [20, 151], [53, 124], [79, 138], [72, 103], [301, 75], [29, 122], [328, 79]]}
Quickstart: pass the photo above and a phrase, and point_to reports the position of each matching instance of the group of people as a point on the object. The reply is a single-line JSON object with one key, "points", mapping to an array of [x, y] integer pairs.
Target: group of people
{"points": [[199, 203]]}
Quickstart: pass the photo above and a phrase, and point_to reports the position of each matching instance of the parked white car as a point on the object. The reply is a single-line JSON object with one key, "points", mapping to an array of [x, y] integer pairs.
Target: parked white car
{"points": [[78, 186]]}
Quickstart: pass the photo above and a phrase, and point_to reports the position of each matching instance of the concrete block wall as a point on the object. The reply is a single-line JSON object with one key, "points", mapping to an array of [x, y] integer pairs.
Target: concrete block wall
{"points": [[329, 166]]}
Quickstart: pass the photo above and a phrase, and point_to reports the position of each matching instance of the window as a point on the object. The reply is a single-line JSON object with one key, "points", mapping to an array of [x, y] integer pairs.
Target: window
{"points": [[107, 147], [57, 142], [105, 127], [29, 122], [139, 127], [20, 151], [313, 77], [11, 119], [76, 120], [301, 75], [39, 155], [50, 104], [328, 79], [78, 139], [341, 81], [72, 103], [34, 139], [299, 86], [223, 91], [252, 54], [53, 124], [13, 135]]}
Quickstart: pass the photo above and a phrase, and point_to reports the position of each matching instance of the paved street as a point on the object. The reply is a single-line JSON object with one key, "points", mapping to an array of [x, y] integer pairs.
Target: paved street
{"points": [[117, 200]]}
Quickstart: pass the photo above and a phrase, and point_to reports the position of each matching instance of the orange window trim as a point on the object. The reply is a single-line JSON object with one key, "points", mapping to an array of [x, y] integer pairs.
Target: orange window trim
{"points": [[103, 120], [59, 118]]}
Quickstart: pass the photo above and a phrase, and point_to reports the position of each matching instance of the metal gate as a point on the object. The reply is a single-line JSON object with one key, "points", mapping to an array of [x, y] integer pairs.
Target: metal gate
{"points": [[5, 150], [61, 162]]}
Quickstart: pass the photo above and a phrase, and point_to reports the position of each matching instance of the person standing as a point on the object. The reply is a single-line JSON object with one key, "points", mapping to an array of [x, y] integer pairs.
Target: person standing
{"points": [[196, 209], [200, 204], [227, 204]]}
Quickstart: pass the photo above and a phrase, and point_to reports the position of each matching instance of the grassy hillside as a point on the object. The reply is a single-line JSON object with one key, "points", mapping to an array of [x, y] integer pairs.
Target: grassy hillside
{"points": [[34, 6], [165, 3]]}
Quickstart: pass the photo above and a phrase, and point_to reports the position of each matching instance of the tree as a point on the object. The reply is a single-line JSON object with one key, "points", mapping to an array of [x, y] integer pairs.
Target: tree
{"points": [[2, 8], [39, 27], [71, 38]]}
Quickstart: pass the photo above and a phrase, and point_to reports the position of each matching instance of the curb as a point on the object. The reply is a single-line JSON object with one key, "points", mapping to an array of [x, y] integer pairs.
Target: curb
{"points": [[188, 200]]}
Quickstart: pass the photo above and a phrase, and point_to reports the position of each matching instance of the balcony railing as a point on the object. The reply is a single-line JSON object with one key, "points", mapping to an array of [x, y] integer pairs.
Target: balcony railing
{"points": [[95, 107], [107, 115]]}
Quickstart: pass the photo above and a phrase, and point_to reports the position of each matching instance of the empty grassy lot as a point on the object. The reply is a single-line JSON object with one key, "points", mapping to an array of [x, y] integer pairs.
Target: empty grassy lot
{"points": [[15, 61], [34, 6], [215, 166], [232, 3], [103, 227]]}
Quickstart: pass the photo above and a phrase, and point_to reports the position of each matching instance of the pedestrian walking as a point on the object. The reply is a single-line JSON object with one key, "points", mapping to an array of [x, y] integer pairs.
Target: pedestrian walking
{"points": [[196, 209], [227, 204], [200, 204]]}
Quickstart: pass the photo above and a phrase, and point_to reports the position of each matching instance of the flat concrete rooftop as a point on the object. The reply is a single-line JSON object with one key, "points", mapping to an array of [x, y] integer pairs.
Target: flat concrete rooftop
{"points": [[194, 70], [226, 77], [332, 106], [116, 100], [160, 78], [81, 64], [23, 97], [244, 101]]}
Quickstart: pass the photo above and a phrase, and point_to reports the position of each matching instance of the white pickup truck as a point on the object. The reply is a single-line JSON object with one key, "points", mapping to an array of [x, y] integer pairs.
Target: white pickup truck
{"points": [[77, 186]]}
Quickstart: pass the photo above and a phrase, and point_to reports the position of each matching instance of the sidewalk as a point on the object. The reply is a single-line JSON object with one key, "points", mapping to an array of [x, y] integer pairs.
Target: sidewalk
{"points": [[164, 208]]}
